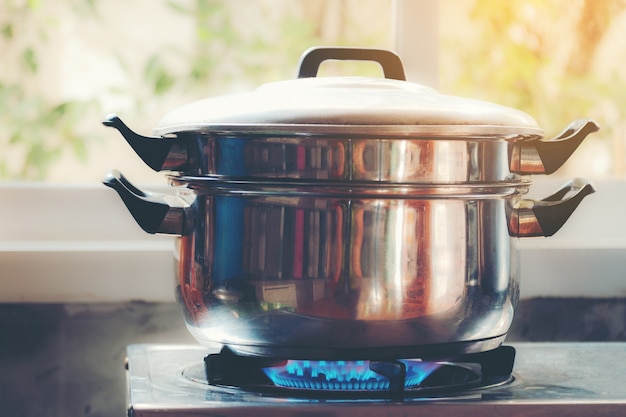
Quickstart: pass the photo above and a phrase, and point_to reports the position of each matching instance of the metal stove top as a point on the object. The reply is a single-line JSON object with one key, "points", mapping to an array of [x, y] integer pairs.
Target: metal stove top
{"points": [[550, 379]]}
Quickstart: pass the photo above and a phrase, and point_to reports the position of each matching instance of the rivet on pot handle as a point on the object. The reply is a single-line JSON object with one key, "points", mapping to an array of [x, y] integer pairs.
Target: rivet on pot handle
{"points": [[313, 57], [545, 217], [158, 153], [546, 156], [155, 213]]}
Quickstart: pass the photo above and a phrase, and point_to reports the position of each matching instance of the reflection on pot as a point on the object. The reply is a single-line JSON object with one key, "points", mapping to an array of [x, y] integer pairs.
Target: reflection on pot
{"points": [[293, 266], [402, 260], [363, 259], [323, 215]]}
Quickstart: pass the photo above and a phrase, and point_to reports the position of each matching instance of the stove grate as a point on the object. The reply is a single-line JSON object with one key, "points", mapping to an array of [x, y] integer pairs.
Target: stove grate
{"points": [[361, 375], [412, 377]]}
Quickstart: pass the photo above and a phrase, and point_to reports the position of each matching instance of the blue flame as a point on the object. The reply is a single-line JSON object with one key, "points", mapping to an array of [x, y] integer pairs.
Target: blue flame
{"points": [[343, 375]]}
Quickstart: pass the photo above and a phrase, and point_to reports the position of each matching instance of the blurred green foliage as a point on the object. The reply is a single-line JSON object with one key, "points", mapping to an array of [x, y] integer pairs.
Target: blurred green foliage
{"points": [[36, 131], [511, 56], [538, 56]]}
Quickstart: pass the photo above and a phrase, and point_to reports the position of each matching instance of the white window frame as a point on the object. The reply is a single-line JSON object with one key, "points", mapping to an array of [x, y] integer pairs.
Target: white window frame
{"points": [[78, 244]]}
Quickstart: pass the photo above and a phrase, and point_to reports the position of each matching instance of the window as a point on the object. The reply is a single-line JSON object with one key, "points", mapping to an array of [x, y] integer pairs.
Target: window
{"points": [[557, 60], [78, 60], [69, 239]]}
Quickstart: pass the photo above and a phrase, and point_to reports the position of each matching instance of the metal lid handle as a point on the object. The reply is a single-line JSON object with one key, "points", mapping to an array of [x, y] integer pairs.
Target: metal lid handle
{"points": [[313, 57]]}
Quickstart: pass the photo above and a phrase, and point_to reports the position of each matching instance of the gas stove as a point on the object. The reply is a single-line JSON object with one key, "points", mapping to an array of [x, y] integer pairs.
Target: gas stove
{"points": [[548, 379]]}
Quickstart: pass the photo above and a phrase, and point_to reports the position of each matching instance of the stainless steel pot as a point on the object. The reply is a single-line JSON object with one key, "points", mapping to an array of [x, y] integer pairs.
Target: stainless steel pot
{"points": [[377, 226], [320, 271], [352, 129]]}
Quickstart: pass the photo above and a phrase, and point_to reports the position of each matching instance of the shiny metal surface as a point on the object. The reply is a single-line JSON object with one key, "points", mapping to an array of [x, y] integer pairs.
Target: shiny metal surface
{"points": [[551, 379], [333, 214], [418, 154], [378, 153], [350, 159], [269, 273], [352, 128], [317, 269]]}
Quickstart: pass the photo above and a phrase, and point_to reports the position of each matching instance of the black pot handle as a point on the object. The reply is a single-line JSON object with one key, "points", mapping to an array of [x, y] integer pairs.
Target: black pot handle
{"points": [[158, 153], [547, 155], [312, 58], [153, 212], [545, 217]]}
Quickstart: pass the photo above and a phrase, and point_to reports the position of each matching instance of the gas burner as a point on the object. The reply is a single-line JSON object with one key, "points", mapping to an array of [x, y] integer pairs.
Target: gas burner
{"points": [[551, 379], [358, 378], [350, 375]]}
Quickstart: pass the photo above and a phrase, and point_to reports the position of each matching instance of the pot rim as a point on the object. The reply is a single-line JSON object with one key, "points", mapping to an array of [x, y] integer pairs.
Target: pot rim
{"points": [[380, 190], [460, 132]]}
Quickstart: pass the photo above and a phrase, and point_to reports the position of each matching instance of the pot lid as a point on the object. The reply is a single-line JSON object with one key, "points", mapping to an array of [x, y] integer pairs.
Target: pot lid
{"points": [[349, 105]]}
